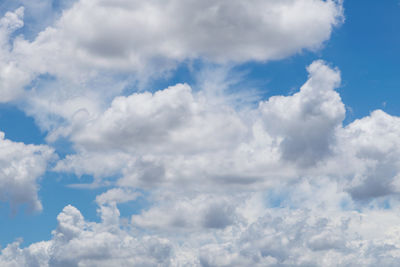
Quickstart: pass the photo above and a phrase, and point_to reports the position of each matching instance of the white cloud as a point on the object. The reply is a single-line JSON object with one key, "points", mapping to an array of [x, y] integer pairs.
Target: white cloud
{"points": [[140, 132], [307, 121], [77, 242], [188, 212], [159, 122], [140, 32], [21, 166], [264, 186], [174, 136], [116, 195], [13, 77], [85, 54], [275, 236], [373, 142], [12, 21]]}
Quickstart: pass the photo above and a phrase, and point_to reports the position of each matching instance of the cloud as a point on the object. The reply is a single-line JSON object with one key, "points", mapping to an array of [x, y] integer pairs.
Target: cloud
{"points": [[158, 31], [175, 135], [307, 121], [168, 31], [373, 142], [273, 237], [116, 195], [143, 130], [21, 167], [256, 185], [12, 77], [81, 61], [192, 212], [77, 242]]}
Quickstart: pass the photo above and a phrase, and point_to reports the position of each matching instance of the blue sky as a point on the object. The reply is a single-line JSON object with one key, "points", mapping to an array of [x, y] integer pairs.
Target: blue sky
{"points": [[277, 125]]}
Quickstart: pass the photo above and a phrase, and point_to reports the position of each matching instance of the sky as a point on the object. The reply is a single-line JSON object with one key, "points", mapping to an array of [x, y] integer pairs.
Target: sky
{"points": [[199, 133]]}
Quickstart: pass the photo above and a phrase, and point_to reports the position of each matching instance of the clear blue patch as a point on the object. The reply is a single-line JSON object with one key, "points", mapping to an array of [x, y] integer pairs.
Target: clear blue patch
{"points": [[183, 73], [366, 49], [276, 198], [136, 206], [386, 204], [344, 204], [18, 127], [54, 195], [63, 147]]}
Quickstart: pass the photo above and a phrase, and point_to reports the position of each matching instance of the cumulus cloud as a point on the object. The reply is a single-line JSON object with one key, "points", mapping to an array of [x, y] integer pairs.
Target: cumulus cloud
{"points": [[175, 135], [116, 195], [144, 130], [159, 122], [263, 236], [141, 33], [76, 63], [188, 212], [244, 191], [316, 216], [261, 185], [179, 137], [21, 167], [373, 142], [307, 121], [12, 75], [77, 242]]}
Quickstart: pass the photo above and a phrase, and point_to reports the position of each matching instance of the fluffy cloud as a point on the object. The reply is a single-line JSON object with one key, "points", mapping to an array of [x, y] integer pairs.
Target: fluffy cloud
{"points": [[160, 122], [178, 137], [313, 217], [309, 119], [143, 130], [76, 63], [193, 212], [21, 166], [299, 238], [188, 149], [139, 33], [116, 195], [294, 200], [174, 136], [373, 142], [12, 76], [269, 185], [77, 242], [261, 236]]}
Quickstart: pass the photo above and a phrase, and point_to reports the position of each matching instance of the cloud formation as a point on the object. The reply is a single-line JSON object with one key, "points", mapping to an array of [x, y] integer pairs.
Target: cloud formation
{"points": [[280, 183], [76, 63], [231, 187], [261, 236], [277, 192], [140, 33], [21, 167], [174, 136]]}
